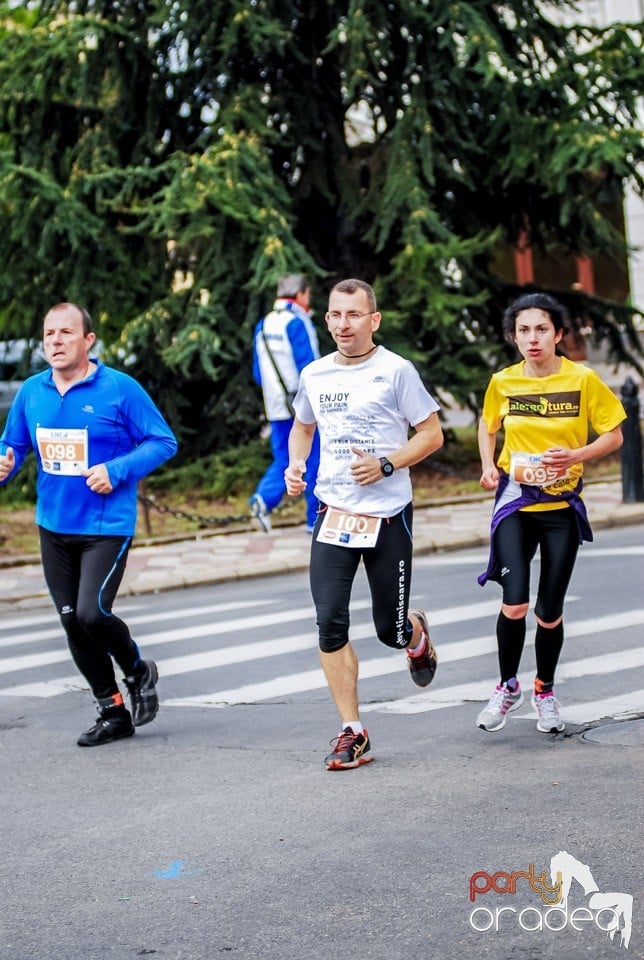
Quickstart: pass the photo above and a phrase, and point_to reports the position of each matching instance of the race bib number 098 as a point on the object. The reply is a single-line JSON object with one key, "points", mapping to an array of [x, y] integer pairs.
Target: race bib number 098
{"points": [[62, 452]]}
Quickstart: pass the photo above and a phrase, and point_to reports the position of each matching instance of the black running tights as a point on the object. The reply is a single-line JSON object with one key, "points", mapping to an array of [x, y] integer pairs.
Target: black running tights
{"points": [[83, 574]]}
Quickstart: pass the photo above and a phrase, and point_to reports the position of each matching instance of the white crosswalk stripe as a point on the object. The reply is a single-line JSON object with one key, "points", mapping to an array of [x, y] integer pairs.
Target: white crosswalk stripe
{"points": [[482, 690], [186, 633], [431, 699], [34, 619], [238, 654], [212, 647], [623, 706]]}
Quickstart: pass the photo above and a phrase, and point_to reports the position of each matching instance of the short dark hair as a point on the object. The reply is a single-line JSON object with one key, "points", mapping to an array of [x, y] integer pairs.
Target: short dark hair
{"points": [[86, 318], [535, 301], [352, 286]]}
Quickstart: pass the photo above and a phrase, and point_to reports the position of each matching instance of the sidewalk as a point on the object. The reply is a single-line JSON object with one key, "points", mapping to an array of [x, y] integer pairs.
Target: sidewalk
{"points": [[209, 558]]}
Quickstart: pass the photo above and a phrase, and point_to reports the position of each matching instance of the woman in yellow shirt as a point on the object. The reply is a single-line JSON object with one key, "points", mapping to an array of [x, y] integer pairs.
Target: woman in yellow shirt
{"points": [[545, 405]]}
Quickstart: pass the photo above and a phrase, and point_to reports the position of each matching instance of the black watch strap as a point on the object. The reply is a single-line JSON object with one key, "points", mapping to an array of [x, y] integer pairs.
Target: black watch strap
{"points": [[386, 466]]}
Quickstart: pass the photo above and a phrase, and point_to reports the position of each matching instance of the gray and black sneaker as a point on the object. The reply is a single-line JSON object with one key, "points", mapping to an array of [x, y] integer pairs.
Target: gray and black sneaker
{"points": [[143, 694], [113, 723]]}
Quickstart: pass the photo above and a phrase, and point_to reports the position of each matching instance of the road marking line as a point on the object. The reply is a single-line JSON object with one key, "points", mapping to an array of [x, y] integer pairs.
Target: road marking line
{"points": [[431, 700], [30, 661], [241, 653], [623, 706], [629, 659], [31, 620], [313, 679], [440, 617], [19, 639]]}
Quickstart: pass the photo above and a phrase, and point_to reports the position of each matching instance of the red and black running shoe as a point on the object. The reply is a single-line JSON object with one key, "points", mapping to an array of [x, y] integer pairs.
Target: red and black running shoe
{"points": [[422, 667], [349, 750]]}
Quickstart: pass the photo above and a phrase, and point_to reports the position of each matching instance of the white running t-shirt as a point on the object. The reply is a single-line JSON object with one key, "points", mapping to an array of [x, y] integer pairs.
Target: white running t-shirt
{"points": [[369, 405]]}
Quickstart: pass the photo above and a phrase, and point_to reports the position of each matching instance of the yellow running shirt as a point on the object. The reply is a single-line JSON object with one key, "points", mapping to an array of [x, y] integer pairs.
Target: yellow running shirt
{"points": [[537, 413]]}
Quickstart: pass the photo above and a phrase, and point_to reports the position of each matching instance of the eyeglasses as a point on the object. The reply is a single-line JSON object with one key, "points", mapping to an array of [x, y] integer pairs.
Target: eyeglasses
{"points": [[335, 316]]}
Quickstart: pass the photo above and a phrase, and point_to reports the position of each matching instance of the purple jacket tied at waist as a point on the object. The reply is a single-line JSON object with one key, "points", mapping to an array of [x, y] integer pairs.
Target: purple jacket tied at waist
{"points": [[512, 496]]}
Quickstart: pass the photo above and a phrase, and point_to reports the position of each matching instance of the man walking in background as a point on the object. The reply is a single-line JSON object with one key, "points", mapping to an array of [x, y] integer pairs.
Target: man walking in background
{"points": [[285, 342]]}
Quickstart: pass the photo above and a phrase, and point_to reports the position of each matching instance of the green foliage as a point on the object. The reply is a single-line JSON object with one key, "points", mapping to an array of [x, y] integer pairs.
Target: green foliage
{"points": [[21, 491], [221, 475], [163, 163]]}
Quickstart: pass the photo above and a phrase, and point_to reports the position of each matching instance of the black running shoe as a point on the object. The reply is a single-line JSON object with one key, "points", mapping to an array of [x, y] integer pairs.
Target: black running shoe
{"points": [[349, 750], [143, 694], [111, 725], [423, 668]]}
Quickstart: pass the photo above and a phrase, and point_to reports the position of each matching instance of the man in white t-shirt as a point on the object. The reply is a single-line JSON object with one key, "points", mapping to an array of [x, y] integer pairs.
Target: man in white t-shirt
{"points": [[363, 400]]}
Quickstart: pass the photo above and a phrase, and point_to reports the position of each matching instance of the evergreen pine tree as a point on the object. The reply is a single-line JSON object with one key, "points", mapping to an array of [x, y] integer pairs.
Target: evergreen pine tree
{"points": [[163, 163]]}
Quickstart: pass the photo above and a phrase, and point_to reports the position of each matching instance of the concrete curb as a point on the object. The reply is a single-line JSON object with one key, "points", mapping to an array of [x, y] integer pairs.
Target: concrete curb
{"points": [[154, 569]]}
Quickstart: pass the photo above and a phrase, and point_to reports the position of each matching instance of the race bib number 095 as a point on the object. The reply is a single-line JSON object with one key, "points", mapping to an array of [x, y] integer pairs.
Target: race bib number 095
{"points": [[62, 452], [528, 468], [349, 529]]}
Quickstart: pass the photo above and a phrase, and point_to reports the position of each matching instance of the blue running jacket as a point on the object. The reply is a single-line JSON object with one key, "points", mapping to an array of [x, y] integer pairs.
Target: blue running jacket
{"points": [[106, 418]]}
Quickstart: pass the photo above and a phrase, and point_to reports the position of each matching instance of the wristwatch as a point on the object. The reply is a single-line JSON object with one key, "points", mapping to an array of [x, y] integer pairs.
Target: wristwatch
{"points": [[386, 466]]}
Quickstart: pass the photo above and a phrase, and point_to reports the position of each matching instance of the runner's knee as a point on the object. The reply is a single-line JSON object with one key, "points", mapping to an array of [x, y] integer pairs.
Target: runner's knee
{"points": [[394, 638], [331, 644], [394, 633], [90, 617], [515, 611], [549, 615]]}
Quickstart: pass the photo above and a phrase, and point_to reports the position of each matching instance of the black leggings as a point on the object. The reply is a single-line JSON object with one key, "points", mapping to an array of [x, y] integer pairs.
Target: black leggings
{"points": [[516, 541], [388, 568], [83, 574]]}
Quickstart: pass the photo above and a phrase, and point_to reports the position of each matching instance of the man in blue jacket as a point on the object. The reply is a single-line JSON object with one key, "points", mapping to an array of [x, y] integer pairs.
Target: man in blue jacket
{"points": [[285, 342], [95, 433]]}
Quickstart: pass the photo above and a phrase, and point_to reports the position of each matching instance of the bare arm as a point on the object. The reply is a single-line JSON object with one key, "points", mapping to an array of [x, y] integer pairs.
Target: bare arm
{"points": [[428, 438], [487, 448], [299, 447], [563, 457]]}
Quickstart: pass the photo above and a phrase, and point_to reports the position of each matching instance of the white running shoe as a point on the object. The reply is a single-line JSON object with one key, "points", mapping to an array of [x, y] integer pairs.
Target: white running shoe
{"points": [[259, 511], [547, 707], [502, 702]]}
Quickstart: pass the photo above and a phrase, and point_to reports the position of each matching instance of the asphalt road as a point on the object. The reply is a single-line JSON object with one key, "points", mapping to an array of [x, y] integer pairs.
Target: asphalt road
{"points": [[217, 832]]}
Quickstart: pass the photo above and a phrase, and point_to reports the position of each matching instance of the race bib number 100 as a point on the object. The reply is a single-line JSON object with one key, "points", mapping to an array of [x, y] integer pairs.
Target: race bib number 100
{"points": [[62, 452], [349, 529], [528, 468]]}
